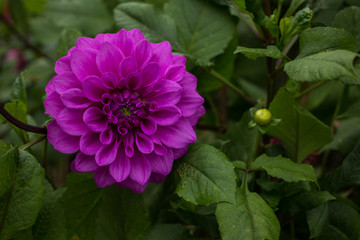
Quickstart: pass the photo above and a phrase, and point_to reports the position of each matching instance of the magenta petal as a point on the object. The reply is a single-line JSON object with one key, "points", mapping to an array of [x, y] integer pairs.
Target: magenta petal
{"points": [[65, 81], [107, 153], [120, 168], [165, 93], [193, 119], [53, 105], [83, 63], [144, 143], [150, 73], [93, 88], [175, 72], [71, 122], [95, 119], [161, 53], [110, 81], [102, 177], [63, 65], [86, 42], [136, 35], [124, 42], [148, 126], [136, 187], [108, 58], [178, 59], [178, 153], [162, 164], [127, 66], [178, 135], [107, 136], [90, 143], [83, 163], [61, 141], [140, 169], [128, 141], [133, 81], [166, 115], [157, 178], [143, 52], [74, 98]]}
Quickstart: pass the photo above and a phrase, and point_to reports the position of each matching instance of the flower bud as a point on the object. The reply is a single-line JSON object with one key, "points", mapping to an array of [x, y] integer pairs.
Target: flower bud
{"points": [[262, 116]]}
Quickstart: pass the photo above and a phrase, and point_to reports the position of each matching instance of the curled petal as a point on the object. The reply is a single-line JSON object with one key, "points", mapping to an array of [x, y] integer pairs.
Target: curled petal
{"points": [[95, 119], [107, 136], [148, 126], [90, 143], [166, 115], [120, 168], [134, 81], [144, 143], [110, 80], [74, 98], [175, 73], [128, 140], [62, 141], [165, 93], [108, 58], [53, 105], [102, 177], [83, 163], [107, 153], [140, 169], [83, 63], [94, 88], [65, 81], [71, 122]]}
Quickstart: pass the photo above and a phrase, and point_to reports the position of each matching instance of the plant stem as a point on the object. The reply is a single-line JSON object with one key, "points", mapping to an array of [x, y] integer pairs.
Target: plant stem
{"points": [[19, 124], [270, 82], [33, 142], [220, 78], [44, 153], [310, 89], [257, 146]]}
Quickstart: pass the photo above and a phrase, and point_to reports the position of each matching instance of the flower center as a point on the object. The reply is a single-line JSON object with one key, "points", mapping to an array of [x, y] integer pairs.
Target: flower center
{"points": [[126, 111]]}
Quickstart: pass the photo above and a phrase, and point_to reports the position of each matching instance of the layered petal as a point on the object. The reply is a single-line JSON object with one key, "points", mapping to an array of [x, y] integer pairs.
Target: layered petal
{"points": [[94, 88], [120, 168], [95, 119], [90, 143], [62, 141], [102, 177], [53, 104], [84, 163], [83, 63], [108, 58], [140, 169], [71, 122]]}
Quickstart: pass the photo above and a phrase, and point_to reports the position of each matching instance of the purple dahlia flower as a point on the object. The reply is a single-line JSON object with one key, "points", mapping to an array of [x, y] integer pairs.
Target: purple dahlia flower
{"points": [[127, 106]]}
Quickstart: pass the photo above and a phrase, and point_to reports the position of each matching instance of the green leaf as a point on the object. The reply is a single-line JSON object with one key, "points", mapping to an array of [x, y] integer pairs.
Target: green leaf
{"points": [[19, 15], [50, 224], [18, 109], [295, 4], [22, 192], [205, 176], [67, 40], [284, 168], [153, 23], [250, 218], [94, 213], [242, 140], [90, 17], [319, 39], [168, 231], [347, 19], [352, 111], [345, 176], [254, 53], [18, 90], [317, 219], [4, 147], [203, 29], [34, 6], [298, 128]]}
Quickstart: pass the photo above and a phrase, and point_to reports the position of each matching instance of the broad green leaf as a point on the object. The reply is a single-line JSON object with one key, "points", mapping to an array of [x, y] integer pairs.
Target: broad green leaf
{"points": [[50, 224], [323, 66], [153, 23], [34, 6], [352, 111], [317, 219], [203, 29], [22, 194], [94, 213], [345, 176], [205, 176], [4, 147], [18, 90], [284, 168], [250, 218], [18, 109], [90, 17], [67, 40], [168, 231], [298, 128], [344, 222], [319, 39], [254, 53], [348, 19], [242, 140]]}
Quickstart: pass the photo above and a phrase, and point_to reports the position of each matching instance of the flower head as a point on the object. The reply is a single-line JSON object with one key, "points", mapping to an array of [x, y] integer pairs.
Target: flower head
{"points": [[127, 106]]}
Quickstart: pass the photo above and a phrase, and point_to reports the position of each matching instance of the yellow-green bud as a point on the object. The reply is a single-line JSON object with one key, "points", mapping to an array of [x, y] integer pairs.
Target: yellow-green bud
{"points": [[262, 116]]}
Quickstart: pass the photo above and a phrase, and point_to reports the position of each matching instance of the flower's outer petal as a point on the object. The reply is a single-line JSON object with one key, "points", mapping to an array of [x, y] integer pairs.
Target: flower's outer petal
{"points": [[102, 177], [165, 93], [94, 88], [107, 154], [144, 143], [195, 118], [178, 59], [53, 105], [107, 136], [108, 58], [71, 122], [110, 80], [124, 42], [178, 153], [161, 164], [148, 126], [128, 140], [166, 115], [83, 63], [83, 163], [74, 98], [175, 73], [134, 81], [49, 89], [61, 141], [189, 104], [65, 81], [140, 168], [162, 54], [151, 73], [90, 143], [127, 66], [63, 65], [143, 52], [157, 178], [120, 168], [86, 42], [137, 35], [178, 135], [136, 187], [95, 119]]}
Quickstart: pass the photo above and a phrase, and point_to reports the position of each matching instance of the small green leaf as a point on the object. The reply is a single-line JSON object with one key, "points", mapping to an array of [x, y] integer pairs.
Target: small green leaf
{"points": [[239, 164], [254, 53], [67, 40], [317, 220], [323, 66], [18, 90], [319, 39], [250, 218], [295, 4], [205, 176], [284, 168]]}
